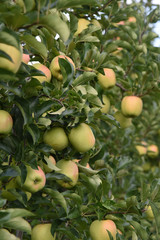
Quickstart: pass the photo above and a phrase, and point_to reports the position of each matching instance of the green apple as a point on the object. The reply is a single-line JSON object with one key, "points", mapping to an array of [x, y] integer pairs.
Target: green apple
{"points": [[56, 138], [51, 160], [55, 67], [70, 169], [108, 79], [82, 138], [16, 56], [6, 235], [123, 121], [99, 164], [6, 122], [82, 24], [35, 180], [106, 104], [12, 184], [45, 70], [131, 106], [142, 149], [149, 213], [42, 232], [25, 58], [152, 151], [99, 230]]}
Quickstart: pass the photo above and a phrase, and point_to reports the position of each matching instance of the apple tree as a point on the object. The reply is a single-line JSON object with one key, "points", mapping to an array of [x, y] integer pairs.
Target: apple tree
{"points": [[79, 120]]}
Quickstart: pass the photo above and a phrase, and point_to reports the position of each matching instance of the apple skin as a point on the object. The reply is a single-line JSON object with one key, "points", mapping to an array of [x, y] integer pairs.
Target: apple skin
{"points": [[25, 58], [108, 79], [106, 105], [142, 150], [46, 168], [35, 180], [5, 234], [45, 70], [82, 24], [6, 122], [55, 67], [16, 56], [42, 231], [56, 138], [152, 151], [70, 169], [124, 121], [98, 230], [82, 138], [131, 106], [149, 213]]}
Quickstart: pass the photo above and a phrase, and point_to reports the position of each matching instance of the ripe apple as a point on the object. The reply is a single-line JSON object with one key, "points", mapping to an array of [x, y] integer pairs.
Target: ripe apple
{"points": [[108, 79], [152, 151], [56, 138], [131, 20], [35, 180], [16, 56], [51, 160], [45, 70], [142, 150], [6, 122], [131, 106], [82, 24], [82, 138], [70, 169], [124, 121], [42, 231], [149, 213], [25, 58], [55, 67], [106, 105], [99, 230]]}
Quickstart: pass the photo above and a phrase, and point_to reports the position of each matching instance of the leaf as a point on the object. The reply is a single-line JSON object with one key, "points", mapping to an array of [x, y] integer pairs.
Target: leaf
{"points": [[39, 47], [140, 230], [51, 165], [55, 24], [18, 223], [6, 235], [23, 105], [156, 213], [9, 39], [88, 38], [87, 170], [84, 78], [5, 55], [62, 4], [18, 212], [34, 131], [57, 197], [4, 217]]}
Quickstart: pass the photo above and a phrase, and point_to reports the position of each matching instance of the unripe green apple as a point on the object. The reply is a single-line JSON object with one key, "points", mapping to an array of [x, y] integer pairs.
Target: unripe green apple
{"points": [[108, 79], [55, 67], [56, 138], [99, 230], [70, 169], [82, 24], [142, 150], [99, 164], [106, 106], [46, 168], [124, 121], [82, 138], [25, 58], [16, 56], [42, 232], [131, 106], [6, 122], [149, 213], [146, 166], [152, 151], [35, 180], [45, 70]]}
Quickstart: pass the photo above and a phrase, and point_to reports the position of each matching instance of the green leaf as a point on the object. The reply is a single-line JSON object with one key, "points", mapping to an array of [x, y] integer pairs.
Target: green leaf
{"points": [[5, 55], [62, 4], [84, 78], [55, 24], [18, 223], [4, 217], [87, 170], [6, 235], [9, 39], [34, 131], [88, 38], [23, 105], [156, 213], [18, 212], [140, 230]]}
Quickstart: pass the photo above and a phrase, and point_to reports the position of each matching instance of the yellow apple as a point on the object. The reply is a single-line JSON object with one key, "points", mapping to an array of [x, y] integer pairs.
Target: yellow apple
{"points": [[82, 24], [152, 151], [149, 213], [25, 58], [131, 20], [42, 231], [108, 79], [56, 138], [45, 70], [82, 137], [6, 122], [46, 168], [55, 67], [123, 121], [142, 150], [99, 230], [106, 105], [15, 54], [70, 169], [131, 106]]}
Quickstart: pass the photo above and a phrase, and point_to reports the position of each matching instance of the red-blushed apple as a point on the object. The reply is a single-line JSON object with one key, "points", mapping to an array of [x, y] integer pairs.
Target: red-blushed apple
{"points": [[55, 67], [123, 121], [99, 230], [42, 232], [15, 54], [70, 169], [56, 138], [35, 180], [108, 79], [45, 70], [25, 58], [131, 106], [152, 151], [6, 122], [82, 138], [82, 24], [46, 166], [106, 104], [142, 149], [131, 19]]}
